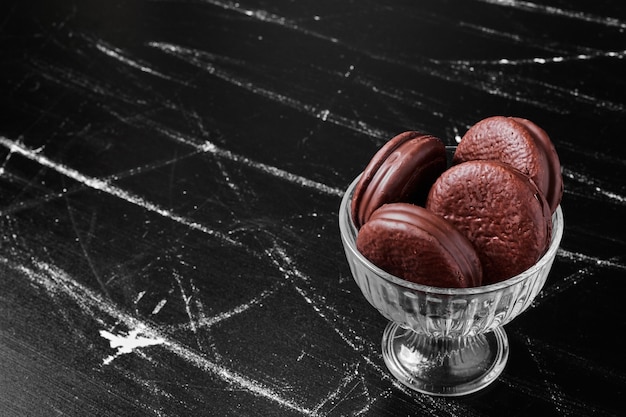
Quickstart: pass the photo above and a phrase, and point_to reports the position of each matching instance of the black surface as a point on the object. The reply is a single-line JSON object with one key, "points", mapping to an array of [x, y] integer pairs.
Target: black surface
{"points": [[171, 171]]}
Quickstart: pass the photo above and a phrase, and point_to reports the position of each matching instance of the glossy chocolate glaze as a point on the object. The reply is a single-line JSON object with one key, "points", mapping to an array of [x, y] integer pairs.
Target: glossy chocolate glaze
{"points": [[403, 170], [554, 190], [413, 243]]}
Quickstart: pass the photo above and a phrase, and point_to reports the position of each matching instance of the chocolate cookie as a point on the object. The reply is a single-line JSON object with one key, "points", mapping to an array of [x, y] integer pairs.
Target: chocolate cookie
{"points": [[554, 191], [500, 210], [520, 143], [412, 243], [403, 170]]}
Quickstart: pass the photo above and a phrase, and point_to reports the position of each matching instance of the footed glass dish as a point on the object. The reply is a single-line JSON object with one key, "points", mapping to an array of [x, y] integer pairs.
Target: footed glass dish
{"points": [[444, 341]]}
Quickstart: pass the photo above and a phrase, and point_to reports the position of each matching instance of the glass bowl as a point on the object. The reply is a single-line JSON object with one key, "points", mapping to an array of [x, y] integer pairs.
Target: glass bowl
{"points": [[444, 341]]}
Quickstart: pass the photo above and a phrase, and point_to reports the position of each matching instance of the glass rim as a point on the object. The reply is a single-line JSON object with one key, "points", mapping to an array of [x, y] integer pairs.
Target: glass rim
{"points": [[347, 228]]}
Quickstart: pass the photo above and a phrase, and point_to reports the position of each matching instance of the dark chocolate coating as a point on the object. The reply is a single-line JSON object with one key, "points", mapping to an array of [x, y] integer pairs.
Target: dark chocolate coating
{"points": [[412, 243], [554, 190], [520, 143], [500, 210], [403, 170]]}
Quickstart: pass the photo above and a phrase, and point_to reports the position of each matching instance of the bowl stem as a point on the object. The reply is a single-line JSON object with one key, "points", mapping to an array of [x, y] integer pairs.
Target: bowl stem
{"points": [[444, 365]]}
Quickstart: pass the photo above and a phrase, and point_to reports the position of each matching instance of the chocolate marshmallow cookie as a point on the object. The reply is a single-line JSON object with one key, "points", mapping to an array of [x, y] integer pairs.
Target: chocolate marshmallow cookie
{"points": [[411, 242], [519, 143], [403, 170], [501, 212]]}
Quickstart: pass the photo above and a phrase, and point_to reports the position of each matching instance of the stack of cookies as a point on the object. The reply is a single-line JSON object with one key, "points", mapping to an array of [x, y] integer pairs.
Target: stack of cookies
{"points": [[484, 219]]}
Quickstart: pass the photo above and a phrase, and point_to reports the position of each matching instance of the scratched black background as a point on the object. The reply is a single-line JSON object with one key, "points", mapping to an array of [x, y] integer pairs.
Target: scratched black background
{"points": [[170, 174]]}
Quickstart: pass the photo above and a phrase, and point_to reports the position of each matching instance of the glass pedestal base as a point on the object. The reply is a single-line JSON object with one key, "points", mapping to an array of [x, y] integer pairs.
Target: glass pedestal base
{"points": [[444, 366]]}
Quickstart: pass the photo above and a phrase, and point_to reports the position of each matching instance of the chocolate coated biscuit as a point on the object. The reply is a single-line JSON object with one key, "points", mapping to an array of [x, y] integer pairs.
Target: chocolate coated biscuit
{"points": [[403, 170], [500, 210], [554, 190], [412, 243], [520, 143]]}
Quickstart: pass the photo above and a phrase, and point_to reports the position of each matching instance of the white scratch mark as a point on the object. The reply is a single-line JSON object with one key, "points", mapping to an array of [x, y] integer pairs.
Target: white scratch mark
{"points": [[109, 188], [203, 60], [204, 322], [576, 278], [127, 343], [577, 256], [5, 162], [334, 394], [83, 247], [269, 17], [370, 400], [557, 11], [210, 321], [563, 404], [118, 54], [564, 284], [621, 54], [159, 306], [57, 282], [206, 146], [594, 184], [139, 297], [50, 196], [186, 302]]}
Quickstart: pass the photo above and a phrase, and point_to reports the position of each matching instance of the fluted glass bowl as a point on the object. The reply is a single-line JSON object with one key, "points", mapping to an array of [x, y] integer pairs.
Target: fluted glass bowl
{"points": [[444, 341]]}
